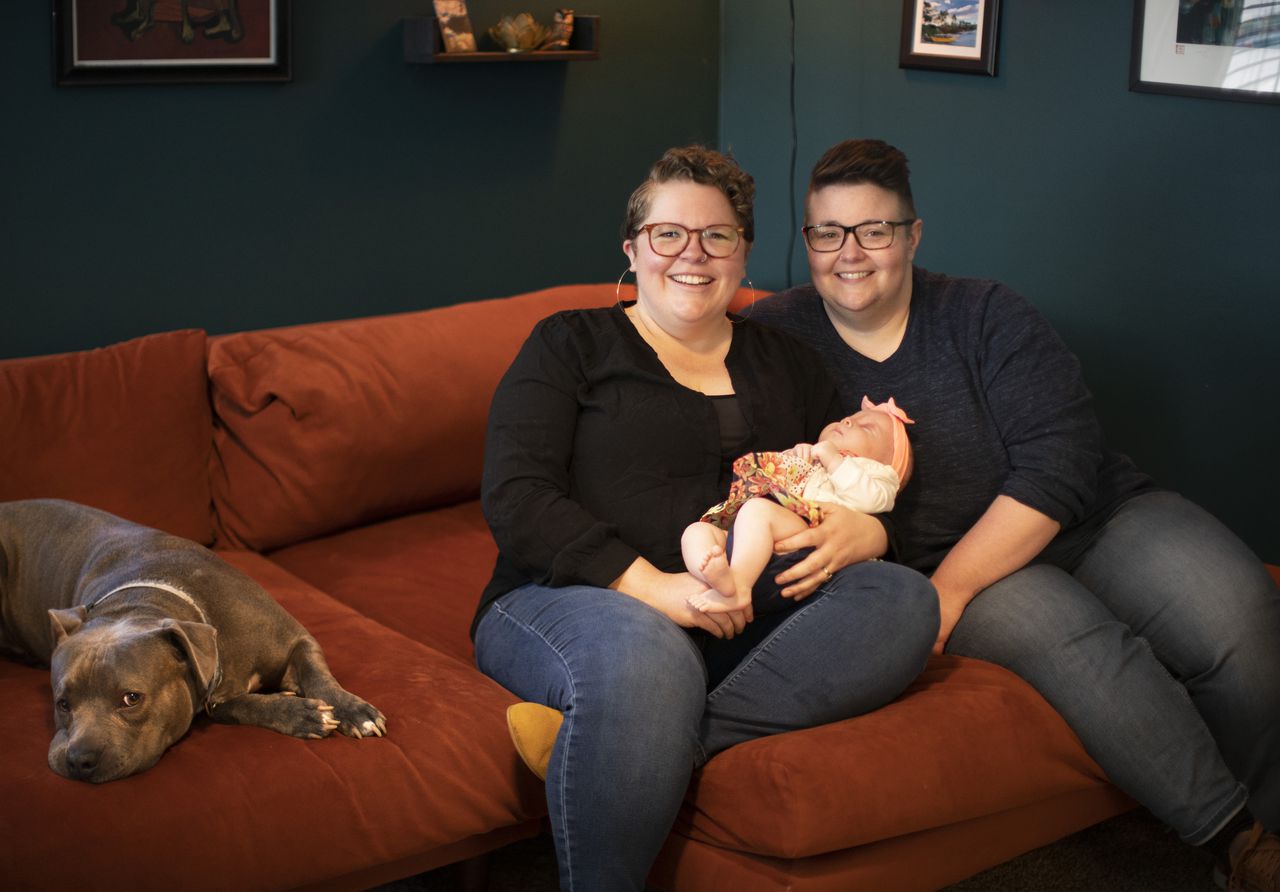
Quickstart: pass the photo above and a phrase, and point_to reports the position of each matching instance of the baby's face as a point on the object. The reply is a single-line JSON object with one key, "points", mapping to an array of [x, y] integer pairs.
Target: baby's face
{"points": [[866, 434]]}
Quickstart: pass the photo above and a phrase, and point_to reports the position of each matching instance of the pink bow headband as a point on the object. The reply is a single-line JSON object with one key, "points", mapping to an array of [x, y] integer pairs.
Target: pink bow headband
{"points": [[901, 462]]}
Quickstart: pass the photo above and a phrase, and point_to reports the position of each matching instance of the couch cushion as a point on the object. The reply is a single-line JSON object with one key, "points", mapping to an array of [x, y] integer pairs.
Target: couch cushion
{"points": [[124, 428], [967, 739], [328, 426], [421, 575], [232, 807], [918, 862]]}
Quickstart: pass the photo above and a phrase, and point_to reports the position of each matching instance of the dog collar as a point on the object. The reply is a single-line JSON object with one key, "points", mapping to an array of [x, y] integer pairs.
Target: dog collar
{"points": [[153, 583], [179, 593]]}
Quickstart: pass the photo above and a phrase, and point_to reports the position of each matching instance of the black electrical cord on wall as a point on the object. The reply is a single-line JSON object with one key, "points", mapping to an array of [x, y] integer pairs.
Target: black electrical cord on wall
{"points": [[791, 179]]}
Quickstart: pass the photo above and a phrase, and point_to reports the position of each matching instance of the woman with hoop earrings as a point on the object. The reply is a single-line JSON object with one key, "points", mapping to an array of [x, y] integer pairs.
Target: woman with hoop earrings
{"points": [[612, 428]]}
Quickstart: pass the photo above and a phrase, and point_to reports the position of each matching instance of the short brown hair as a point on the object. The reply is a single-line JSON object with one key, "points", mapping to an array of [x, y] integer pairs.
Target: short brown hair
{"points": [[696, 164], [857, 161]]}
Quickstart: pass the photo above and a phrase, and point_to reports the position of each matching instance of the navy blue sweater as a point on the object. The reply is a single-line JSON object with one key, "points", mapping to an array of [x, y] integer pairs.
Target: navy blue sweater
{"points": [[1000, 407]]}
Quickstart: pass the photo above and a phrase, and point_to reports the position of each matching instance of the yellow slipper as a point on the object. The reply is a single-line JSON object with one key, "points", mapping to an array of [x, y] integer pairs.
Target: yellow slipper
{"points": [[533, 730]]}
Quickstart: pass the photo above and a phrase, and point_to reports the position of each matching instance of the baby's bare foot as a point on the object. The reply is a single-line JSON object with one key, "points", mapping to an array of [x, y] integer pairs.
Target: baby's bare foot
{"points": [[716, 573], [712, 601]]}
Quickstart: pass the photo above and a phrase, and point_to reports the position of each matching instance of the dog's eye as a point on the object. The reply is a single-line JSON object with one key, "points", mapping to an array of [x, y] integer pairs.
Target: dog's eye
{"points": [[63, 704], [131, 699]]}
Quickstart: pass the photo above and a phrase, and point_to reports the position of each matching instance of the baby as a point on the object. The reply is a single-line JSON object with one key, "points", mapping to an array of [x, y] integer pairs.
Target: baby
{"points": [[859, 462]]}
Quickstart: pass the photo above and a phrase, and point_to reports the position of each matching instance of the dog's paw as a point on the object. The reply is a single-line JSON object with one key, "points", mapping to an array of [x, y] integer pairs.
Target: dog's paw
{"points": [[303, 717], [356, 718]]}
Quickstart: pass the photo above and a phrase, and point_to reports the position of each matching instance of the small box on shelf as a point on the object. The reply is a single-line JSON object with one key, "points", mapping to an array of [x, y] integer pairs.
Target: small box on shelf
{"points": [[423, 45]]}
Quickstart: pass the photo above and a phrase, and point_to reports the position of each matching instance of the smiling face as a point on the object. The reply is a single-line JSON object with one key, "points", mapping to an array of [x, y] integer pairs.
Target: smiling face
{"points": [[866, 434], [692, 288], [854, 282]]}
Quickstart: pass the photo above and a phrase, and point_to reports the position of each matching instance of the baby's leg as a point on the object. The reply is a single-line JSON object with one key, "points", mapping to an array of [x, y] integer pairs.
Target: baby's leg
{"points": [[703, 548], [760, 522]]}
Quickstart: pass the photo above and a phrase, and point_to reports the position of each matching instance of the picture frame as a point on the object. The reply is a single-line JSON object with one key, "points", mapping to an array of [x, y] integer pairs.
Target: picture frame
{"points": [[950, 35], [170, 41], [455, 26], [1206, 48]]}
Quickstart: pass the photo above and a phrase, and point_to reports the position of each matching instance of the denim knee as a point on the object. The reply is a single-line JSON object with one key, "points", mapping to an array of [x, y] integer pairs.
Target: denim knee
{"points": [[849, 648], [556, 646], [1028, 615], [648, 672], [919, 613], [916, 601]]}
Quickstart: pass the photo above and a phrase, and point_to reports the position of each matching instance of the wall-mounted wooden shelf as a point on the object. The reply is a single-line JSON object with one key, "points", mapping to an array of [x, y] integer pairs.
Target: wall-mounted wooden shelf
{"points": [[423, 45]]}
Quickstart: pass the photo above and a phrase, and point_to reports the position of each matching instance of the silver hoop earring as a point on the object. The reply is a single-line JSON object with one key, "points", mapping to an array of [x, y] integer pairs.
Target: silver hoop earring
{"points": [[617, 292], [750, 306]]}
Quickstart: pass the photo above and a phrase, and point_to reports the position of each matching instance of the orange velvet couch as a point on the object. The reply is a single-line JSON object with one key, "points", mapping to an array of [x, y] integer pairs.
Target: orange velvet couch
{"points": [[339, 465]]}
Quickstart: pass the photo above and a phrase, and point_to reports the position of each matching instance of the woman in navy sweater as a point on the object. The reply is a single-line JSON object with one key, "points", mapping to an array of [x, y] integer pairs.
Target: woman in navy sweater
{"points": [[1146, 623]]}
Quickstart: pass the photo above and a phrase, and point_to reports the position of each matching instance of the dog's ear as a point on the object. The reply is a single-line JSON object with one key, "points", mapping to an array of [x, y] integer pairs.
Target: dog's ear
{"points": [[65, 621], [199, 643]]}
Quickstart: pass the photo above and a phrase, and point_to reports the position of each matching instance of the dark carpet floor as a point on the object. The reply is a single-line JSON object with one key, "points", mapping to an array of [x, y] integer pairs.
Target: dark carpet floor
{"points": [[1130, 853]]}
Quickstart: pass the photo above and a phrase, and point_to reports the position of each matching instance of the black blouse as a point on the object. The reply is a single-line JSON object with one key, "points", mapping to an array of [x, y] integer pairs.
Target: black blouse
{"points": [[595, 455]]}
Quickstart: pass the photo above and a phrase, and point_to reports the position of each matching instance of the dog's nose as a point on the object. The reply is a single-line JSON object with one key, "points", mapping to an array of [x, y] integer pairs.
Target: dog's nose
{"points": [[81, 762]]}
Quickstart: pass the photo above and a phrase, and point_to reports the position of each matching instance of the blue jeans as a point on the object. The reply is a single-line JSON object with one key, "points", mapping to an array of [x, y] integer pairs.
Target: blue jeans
{"points": [[1157, 638], [638, 713]]}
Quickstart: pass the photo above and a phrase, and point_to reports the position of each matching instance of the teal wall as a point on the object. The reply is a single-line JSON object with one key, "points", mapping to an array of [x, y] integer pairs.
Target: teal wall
{"points": [[1143, 225], [365, 186]]}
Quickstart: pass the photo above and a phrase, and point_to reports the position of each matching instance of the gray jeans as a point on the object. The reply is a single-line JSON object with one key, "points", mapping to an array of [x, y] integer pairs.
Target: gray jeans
{"points": [[1157, 638]]}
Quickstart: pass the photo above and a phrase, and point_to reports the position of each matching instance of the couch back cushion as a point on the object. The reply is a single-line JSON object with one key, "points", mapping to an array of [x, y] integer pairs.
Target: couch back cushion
{"points": [[333, 425], [125, 428]]}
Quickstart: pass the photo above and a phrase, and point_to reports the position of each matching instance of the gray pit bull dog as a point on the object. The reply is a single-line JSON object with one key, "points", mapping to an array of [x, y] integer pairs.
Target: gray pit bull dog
{"points": [[142, 630]]}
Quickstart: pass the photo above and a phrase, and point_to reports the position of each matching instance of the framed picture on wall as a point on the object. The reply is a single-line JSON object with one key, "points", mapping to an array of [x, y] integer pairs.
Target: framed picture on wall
{"points": [[170, 41], [1215, 49], [950, 35]]}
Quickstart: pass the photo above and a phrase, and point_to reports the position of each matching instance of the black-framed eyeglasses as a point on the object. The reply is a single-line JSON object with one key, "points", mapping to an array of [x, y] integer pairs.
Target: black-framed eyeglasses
{"points": [[869, 236], [669, 239]]}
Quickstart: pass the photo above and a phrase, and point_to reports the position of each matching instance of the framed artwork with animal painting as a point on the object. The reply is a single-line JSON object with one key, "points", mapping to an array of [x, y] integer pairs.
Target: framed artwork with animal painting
{"points": [[170, 41]]}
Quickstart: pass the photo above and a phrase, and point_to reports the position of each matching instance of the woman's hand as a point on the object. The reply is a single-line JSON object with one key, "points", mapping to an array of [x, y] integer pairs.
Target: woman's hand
{"points": [[844, 537], [669, 593], [1006, 537], [951, 604]]}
